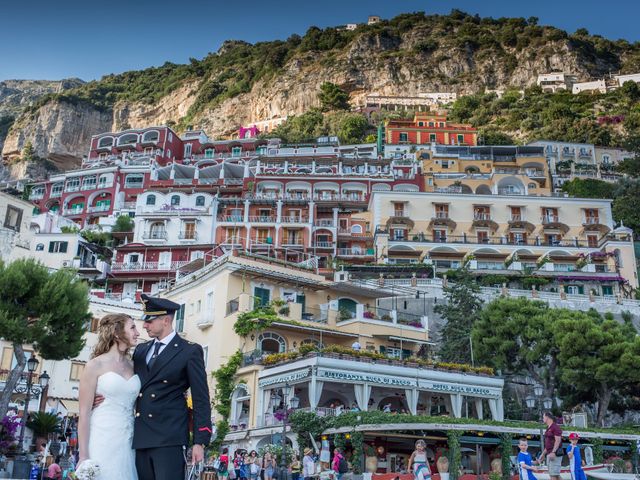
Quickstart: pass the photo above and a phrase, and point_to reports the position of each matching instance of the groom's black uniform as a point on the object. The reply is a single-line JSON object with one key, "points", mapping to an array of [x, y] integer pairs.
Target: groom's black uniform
{"points": [[162, 422]]}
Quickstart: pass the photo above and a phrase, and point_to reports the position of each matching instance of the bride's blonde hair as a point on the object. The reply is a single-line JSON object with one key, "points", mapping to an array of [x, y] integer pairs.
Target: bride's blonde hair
{"points": [[110, 330]]}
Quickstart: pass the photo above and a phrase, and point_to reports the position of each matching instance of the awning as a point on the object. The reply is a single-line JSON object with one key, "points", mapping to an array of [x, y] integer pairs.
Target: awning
{"points": [[72, 406], [404, 339], [235, 436]]}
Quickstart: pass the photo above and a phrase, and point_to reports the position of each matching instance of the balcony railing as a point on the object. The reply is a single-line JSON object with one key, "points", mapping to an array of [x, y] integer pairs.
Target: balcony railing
{"points": [[353, 252], [442, 215], [516, 218], [232, 241], [322, 222], [592, 221], [324, 244], [495, 240], [549, 219], [294, 219], [230, 218], [39, 195], [99, 208], [188, 235], [146, 266], [155, 235], [88, 186], [72, 188], [482, 216], [72, 211], [56, 193], [262, 219]]}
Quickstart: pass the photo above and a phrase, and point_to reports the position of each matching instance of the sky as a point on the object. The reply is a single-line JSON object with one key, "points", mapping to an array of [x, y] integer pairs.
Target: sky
{"points": [[88, 39]]}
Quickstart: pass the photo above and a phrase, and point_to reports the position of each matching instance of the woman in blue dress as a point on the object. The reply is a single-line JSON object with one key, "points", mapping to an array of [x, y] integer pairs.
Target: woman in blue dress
{"points": [[575, 458]]}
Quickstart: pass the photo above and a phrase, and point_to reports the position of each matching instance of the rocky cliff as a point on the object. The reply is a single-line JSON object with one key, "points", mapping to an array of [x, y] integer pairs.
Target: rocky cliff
{"points": [[242, 83]]}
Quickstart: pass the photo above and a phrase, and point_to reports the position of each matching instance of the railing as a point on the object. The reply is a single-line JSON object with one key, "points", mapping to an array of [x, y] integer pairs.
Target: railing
{"points": [[292, 242], [72, 211], [325, 223], [188, 236], [36, 195], [482, 216], [324, 244], [147, 266], [72, 188], [233, 181], [516, 218], [592, 221], [262, 219], [230, 218], [315, 314], [510, 191], [88, 186], [154, 235], [353, 252], [496, 240], [232, 241], [56, 193], [294, 219], [549, 219], [99, 208], [372, 312]]}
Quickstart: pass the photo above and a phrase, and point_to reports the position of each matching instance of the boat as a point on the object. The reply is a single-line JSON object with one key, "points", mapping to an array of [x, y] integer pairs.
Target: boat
{"points": [[590, 470]]}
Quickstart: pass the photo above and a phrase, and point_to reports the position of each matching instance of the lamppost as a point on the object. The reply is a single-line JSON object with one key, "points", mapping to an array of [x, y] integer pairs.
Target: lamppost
{"points": [[30, 389], [536, 399], [294, 402]]}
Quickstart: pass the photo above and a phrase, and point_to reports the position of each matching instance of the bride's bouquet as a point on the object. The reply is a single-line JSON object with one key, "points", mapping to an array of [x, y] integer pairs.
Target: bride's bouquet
{"points": [[87, 470]]}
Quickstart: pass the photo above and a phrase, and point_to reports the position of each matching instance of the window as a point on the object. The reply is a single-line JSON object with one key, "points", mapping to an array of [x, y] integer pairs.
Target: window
{"points": [[592, 241], [445, 163], [13, 218], [398, 209], [432, 124], [9, 360], [440, 236], [607, 291], [180, 319], [516, 238], [399, 234], [236, 151], [421, 124], [40, 247], [483, 237], [516, 214], [151, 200], [199, 201], [261, 296], [187, 150], [189, 232], [432, 137], [606, 159], [58, 247], [460, 139], [76, 371], [269, 342], [134, 181], [169, 153], [208, 153], [404, 137], [175, 200], [128, 139], [356, 229]]}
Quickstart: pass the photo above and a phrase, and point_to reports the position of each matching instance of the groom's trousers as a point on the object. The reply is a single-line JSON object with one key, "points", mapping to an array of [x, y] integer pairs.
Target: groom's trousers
{"points": [[164, 463]]}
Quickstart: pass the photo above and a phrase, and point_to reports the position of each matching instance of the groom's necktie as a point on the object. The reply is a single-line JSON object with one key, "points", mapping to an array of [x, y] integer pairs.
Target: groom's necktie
{"points": [[154, 356]]}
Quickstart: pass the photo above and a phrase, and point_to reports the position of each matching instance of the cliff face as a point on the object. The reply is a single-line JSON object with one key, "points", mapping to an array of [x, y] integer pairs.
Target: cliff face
{"points": [[404, 56]]}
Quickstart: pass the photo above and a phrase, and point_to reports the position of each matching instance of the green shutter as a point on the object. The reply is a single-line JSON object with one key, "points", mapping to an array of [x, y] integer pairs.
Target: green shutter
{"points": [[383, 349], [63, 247], [51, 247]]}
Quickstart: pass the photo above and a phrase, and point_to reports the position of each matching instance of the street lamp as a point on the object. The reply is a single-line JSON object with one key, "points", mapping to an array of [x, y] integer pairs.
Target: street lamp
{"points": [[30, 389], [293, 403], [544, 404]]}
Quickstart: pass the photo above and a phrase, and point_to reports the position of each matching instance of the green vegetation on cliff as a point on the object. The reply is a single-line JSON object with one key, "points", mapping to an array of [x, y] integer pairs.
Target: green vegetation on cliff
{"points": [[413, 39]]}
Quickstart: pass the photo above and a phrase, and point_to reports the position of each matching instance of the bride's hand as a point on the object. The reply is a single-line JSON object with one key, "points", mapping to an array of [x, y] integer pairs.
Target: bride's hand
{"points": [[97, 400]]}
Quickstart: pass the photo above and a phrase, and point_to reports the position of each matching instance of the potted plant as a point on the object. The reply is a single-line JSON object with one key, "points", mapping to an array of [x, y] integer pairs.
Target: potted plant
{"points": [[43, 424]]}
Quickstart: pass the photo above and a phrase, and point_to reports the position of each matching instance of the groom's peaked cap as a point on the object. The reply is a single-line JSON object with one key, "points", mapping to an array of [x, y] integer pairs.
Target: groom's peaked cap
{"points": [[156, 306]]}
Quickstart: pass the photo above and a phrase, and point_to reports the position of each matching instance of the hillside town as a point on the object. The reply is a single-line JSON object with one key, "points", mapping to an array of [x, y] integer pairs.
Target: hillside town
{"points": [[425, 290]]}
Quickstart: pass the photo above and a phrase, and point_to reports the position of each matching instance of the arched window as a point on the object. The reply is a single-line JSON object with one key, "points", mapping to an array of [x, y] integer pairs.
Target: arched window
{"points": [[269, 342], [151, 200], [199, 201], [356, 228], [532, 186], [240, 400], [175, 200]]}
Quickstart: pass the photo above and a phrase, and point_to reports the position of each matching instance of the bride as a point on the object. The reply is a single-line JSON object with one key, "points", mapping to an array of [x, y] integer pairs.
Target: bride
{"points": [[106, 431]]}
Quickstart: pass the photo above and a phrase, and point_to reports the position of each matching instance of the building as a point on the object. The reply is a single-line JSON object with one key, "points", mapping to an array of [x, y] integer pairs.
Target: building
{"points": [[429, 127], [373, 19], [593, 86], [622, 79], [497, 170], [569, 160], [571, 243], [15, 232], [423, 102], [556, 81], [314, 313]]}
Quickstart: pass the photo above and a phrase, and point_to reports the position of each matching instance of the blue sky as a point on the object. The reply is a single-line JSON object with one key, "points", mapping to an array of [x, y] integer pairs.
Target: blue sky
{"points": [[87, 39]]}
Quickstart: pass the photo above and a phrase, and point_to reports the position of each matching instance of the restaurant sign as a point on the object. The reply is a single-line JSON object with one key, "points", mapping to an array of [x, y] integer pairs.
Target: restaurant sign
{"points": [[288, 378], [368, 378]]}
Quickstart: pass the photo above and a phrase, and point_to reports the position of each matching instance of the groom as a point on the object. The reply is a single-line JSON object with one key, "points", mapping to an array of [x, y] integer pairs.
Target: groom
{"points": [[167, 366]]}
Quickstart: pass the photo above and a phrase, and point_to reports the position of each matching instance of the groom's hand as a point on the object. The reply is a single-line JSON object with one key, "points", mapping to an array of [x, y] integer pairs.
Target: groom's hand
{"points": [[97, 400], [197, 453]]}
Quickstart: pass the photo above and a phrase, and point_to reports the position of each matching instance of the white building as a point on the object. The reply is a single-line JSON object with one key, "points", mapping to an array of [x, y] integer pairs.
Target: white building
{"points": [[599, 86], [15, 234], [621, 79], [554, 81]]}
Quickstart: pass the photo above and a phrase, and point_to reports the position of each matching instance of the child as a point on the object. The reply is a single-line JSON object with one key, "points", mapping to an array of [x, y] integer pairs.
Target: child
{"points": [[418, 462], [524, 461], [575, 459]]}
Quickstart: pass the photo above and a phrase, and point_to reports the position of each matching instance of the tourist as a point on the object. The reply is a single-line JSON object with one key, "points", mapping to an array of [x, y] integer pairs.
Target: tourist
{"points": [[252, 463], [354, 407], [308, 465], [54, 472], [296, 467], [237, 462], [418, 462], [575, 458], [552, 446], [525, 464], [339, 464], [269, 465], [356, 346], [222, 470], [387, 408]]}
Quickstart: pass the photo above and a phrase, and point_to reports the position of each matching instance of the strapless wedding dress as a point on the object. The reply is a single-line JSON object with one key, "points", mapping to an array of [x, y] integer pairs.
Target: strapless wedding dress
{"points": [[111, 427]]}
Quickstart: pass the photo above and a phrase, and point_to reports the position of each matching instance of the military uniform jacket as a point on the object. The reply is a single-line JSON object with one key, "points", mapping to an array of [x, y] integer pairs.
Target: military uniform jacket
{"points": [[161, 418]]}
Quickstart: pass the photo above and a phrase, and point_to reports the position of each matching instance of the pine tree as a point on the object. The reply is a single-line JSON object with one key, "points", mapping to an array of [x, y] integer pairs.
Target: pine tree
{"points": [[460, 312], [46, 310], [332, 97]]}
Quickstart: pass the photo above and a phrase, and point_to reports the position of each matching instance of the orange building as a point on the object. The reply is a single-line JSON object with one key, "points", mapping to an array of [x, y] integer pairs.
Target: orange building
{"points": [[429, 127]]}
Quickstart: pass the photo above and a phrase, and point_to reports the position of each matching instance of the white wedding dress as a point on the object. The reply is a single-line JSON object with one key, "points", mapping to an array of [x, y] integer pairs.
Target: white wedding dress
{"points": [[111, 427]]}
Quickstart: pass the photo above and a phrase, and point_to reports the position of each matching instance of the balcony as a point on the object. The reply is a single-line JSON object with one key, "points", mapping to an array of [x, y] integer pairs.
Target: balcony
{"points": [[421, 237], [232, 242], [324, 245], [230, 218], [73, 211], [56, 193], [325, 222], [546, 219], [482, 216], [88, 186], [294, 219], [72, 188], [99, 208], [293, 242], [262, 219], [146, 266], [354, 252], [162, 235], [188, 235], [591, 221]]}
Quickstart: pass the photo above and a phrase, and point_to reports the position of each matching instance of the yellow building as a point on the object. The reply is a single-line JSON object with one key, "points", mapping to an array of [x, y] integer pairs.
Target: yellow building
{"points": [[485, 170], [571, 242], [328, 315]]}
